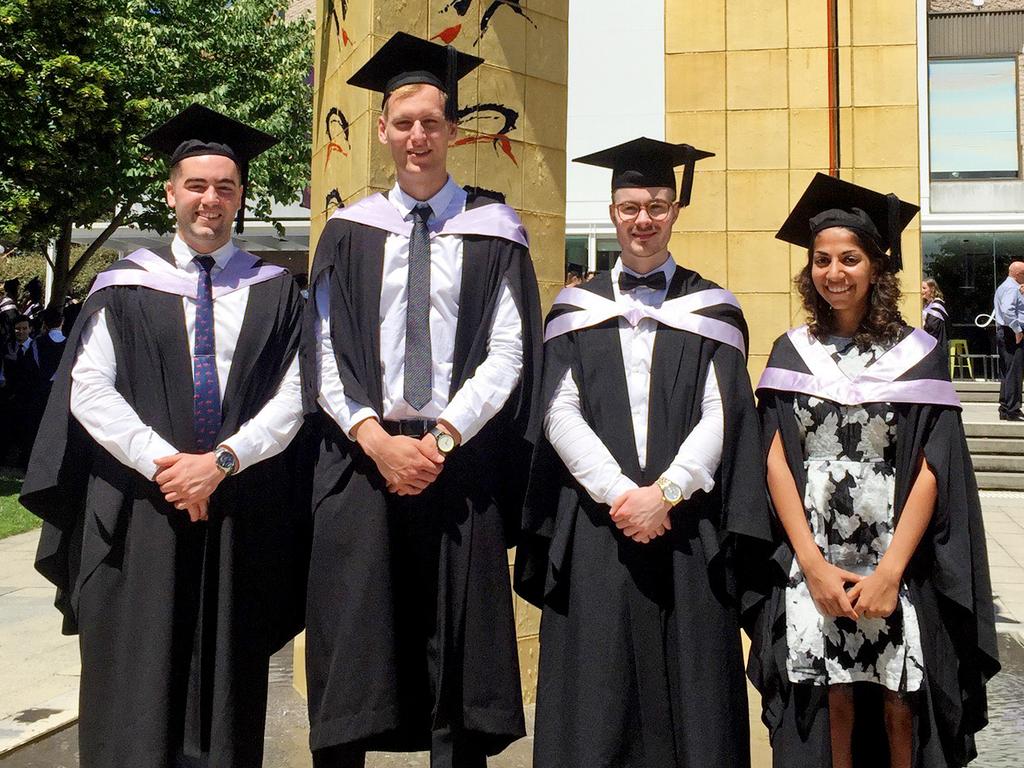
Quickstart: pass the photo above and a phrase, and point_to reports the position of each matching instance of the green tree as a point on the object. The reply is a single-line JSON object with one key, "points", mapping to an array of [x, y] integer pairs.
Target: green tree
{"points": [[81, 82]]}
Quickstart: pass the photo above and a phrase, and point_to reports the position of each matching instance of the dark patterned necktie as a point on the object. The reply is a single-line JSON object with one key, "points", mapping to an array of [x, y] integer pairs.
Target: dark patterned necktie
{"points": [[206, 391], [418, 363]]}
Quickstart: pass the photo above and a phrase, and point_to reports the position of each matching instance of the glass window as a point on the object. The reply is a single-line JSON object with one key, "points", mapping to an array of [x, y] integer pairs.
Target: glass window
{"points": [[968, 266], [972, 111], [575, 253], [608, 251]]}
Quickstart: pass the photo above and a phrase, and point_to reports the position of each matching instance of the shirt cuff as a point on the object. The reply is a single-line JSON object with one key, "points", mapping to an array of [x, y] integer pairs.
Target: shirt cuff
{"points": [[617, 488], [690, 481], [462, 421], [357, 418], [157, 448]]}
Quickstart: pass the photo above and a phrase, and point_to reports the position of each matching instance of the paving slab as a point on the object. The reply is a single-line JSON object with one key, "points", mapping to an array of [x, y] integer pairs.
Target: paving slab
{"points": [[39, 667]]}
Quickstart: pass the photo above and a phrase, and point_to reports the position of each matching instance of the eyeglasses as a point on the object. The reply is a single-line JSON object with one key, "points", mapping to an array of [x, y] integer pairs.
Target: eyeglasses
{"points": [[657, 210]]}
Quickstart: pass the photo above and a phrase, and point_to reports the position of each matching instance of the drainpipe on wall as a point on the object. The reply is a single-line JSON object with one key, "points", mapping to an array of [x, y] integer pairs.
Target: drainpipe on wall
{"points": [[833, 87]]}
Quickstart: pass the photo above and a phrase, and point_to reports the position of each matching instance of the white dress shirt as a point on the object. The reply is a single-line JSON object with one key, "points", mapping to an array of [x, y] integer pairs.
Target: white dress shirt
{"points": [[1009, 305], [588, 459], [483, 394], [114, 424]]}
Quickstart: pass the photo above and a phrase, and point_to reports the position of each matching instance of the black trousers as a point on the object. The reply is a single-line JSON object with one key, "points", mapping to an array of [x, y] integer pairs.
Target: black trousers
{"points": [[447, 750], [1011, 355], [417, 543]]}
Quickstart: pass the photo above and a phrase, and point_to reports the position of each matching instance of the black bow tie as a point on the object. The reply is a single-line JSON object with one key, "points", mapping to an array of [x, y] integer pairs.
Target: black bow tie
{"points": [[628, 282]]}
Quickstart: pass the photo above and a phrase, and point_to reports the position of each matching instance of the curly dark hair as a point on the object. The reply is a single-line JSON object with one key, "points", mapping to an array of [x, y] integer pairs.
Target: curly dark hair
{"points": [[882, 323]]}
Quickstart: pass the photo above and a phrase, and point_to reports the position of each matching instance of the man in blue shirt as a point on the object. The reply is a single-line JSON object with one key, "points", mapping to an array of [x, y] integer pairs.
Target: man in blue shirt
{"points": [[1009, 319]]}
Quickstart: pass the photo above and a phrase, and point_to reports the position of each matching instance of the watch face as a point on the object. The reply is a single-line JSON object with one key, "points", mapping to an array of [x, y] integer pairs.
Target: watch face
{"points": [[672, 492], [225, 461], [445, 442]]}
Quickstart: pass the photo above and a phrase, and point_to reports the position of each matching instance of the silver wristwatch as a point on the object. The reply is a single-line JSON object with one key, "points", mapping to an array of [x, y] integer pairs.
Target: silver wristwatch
{"points": [[226, 461]]}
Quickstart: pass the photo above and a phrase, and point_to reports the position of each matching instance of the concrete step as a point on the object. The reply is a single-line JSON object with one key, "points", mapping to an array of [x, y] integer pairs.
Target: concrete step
{"points": [[1002, 429], [1000, 481], [979, 396], [977, 391], [996, 445], [989, 462], [976, 386]]}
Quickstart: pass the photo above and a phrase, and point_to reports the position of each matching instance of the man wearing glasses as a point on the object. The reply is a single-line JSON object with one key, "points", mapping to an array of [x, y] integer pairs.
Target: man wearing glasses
{"points": [[644, 497]]}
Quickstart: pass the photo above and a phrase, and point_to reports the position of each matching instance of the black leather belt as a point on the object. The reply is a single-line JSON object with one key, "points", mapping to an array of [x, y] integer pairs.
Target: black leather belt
{"points": [[410, 427]]}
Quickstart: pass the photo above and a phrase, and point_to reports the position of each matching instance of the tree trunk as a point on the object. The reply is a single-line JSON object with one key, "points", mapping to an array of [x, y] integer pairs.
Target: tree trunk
{"points": [[64, 273], [61, 267]]}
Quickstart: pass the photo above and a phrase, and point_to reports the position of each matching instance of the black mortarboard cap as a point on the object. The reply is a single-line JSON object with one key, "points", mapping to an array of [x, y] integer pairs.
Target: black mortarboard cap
{"points": [[407, 60], [831, 202], [647, 162], [200, 131]]}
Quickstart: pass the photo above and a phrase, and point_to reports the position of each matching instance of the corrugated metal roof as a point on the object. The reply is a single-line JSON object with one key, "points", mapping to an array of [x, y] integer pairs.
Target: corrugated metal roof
{"points": [[958, 35]]}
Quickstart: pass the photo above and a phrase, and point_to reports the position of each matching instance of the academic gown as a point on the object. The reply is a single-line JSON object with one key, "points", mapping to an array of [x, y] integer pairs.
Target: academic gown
{"points": [[364, 664], [949, 585], [177, 620], [936, 322], [641, 662]]}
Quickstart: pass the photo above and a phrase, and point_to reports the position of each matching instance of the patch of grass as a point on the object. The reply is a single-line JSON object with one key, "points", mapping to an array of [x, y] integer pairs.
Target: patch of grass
{"points": [[14, 518]]}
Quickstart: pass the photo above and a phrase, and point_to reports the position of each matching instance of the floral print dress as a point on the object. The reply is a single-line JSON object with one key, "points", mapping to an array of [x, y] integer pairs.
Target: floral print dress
{"points": [[851, 481]]}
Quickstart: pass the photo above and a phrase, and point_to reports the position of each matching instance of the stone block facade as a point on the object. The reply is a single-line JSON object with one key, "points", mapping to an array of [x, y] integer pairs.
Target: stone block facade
{"points": [[749, 80]]}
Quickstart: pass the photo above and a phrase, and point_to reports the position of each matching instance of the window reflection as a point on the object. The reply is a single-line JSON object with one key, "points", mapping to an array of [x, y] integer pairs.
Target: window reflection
{"points": [[973, 118]]}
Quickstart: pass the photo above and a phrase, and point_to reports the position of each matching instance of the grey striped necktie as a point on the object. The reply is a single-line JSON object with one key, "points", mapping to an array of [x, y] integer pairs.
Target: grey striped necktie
{"points": [[418, 363]]}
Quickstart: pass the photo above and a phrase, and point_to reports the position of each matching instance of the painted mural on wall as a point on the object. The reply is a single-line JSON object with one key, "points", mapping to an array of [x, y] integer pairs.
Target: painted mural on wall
{"points": [[461, 7], [483, 122], [336, 12], [493, 122], [333, 201], [336, 129]]}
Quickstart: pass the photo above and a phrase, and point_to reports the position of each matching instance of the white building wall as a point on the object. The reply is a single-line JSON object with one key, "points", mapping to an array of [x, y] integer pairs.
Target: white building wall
{"points": [[616, 93]]}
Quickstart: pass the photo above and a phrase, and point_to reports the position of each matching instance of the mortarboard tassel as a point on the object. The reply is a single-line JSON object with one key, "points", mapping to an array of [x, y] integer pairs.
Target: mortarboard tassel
{"points": [[895, 239], [240, 218], [451, 110]]}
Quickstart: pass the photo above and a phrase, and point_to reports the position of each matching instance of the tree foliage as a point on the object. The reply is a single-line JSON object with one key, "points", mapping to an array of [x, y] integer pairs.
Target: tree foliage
{"points": [[81, 82]]}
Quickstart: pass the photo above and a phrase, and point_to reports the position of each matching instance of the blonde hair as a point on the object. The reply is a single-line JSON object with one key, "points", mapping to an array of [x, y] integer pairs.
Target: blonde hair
{"points": [[404, 91], [936, 291]]}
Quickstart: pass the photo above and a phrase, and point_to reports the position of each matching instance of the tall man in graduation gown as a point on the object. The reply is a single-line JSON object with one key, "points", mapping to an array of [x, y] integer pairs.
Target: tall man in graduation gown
{"points": [[644, 498], [423, 349], [161, 472]]}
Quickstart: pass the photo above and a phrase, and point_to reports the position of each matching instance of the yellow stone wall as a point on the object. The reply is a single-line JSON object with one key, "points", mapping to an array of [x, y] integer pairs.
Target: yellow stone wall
{"points": [[748, 80], [518, 150]]}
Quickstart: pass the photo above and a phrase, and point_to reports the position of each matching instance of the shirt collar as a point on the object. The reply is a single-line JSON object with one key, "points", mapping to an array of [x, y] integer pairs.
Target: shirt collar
{"points": [[56, 335], [668, 267], [183, 254], [443, 204]]}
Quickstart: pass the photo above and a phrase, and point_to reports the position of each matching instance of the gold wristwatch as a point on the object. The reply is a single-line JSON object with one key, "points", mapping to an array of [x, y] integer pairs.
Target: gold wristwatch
{"points": [[670, 492]]}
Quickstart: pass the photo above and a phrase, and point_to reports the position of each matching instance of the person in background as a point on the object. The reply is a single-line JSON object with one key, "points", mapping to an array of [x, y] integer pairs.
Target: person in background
{"points": [[934, 316], [50, 343], [22, 381], [1008, 315], [32, 301], [8, 310]]}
